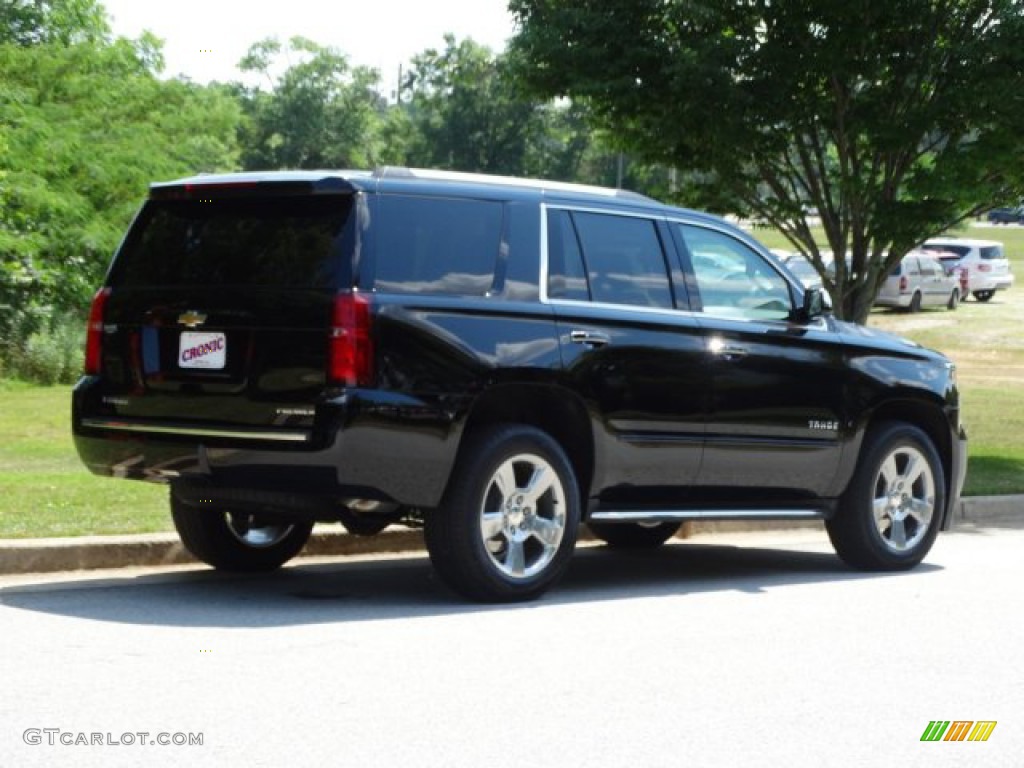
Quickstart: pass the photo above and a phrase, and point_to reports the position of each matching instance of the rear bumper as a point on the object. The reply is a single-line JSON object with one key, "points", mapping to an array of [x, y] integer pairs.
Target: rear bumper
{"points": [[900, 301], [354, 452], [982, 282]]}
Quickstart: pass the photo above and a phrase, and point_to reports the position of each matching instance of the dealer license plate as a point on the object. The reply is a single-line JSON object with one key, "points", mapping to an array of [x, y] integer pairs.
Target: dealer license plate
{"points": [[202, 350]]}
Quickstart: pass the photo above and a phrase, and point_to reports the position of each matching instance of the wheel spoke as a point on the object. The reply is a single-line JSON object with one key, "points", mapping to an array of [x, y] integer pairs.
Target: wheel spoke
{"points": [[515, 558], [889, 472], [921, 510], [898, 533], [505, 479], [548, 532], [540, 483], [491, 524], [881, 508], [914, 469]]}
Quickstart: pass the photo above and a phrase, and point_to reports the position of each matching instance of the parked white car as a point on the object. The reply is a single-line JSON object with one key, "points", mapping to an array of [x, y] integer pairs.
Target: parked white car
{"points": [[988, 269], [919, 281]]}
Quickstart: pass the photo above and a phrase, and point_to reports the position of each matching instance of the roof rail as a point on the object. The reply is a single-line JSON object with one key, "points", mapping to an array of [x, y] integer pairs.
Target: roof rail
{"points": [[401, 172]]}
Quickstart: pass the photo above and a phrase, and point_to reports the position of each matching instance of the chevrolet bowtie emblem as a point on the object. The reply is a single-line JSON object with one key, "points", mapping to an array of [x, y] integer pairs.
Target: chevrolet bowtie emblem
{"points": [[191, 319]]}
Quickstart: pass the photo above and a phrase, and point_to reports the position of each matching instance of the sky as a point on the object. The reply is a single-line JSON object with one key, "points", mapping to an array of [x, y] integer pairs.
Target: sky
{"points": [[204, 39]]}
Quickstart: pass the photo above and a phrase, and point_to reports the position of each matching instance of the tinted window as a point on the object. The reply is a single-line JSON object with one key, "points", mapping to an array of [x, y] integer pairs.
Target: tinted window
{"points": [[734, 280], [279, 241], [567, 279], [991, 252], [436, 245], [624, 260], [959, 251]]}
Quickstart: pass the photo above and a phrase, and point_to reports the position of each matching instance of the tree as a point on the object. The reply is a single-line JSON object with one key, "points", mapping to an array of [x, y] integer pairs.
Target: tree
{"points": [[85, 126], [33, 22], [896, 120], [320, 113], [467, 112]]}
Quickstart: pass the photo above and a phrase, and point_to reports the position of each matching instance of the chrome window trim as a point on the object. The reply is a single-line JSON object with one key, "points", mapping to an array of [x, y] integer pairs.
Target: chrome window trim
{"points": [[796, 289]]}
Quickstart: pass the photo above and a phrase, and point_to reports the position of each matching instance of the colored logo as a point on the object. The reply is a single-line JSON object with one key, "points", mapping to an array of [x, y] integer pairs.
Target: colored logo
{"points": [[959, 730]]}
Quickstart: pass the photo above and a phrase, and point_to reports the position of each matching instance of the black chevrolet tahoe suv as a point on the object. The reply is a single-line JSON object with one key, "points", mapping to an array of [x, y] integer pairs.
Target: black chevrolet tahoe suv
{"points": [[499, 360]]}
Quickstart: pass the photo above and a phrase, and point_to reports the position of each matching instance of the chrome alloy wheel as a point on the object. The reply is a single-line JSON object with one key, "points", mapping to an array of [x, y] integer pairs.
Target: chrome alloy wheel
{"points": [[250, 532], [904, 499], [522, 517]]}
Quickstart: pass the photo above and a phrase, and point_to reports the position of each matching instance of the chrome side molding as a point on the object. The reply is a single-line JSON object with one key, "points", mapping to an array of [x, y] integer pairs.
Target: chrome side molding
{"points": [[673, 515], [282, 436]]}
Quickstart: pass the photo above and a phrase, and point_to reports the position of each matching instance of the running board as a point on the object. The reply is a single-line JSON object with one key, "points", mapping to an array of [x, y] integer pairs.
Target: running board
{"points": [[680, 515]]}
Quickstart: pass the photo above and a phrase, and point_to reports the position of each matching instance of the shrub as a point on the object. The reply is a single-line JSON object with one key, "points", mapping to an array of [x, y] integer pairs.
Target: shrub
{"points": [[44, 350]]}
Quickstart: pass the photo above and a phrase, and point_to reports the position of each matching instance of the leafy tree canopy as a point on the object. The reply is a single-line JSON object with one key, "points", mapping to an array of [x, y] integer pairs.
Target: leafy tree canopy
{"points": [[321, 112], [894, 119], [32, 22], [85, 126]]}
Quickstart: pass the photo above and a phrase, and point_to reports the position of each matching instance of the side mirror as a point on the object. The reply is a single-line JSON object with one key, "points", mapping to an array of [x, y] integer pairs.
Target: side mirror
{"points": [[814, 305]]}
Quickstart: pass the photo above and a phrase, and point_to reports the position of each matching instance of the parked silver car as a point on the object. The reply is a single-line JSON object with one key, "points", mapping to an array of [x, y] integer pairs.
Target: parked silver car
{"points": [[919, 281]]}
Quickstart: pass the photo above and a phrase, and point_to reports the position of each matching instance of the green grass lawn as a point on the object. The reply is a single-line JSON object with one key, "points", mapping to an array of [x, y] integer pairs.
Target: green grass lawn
{"points": [[45, 491]]}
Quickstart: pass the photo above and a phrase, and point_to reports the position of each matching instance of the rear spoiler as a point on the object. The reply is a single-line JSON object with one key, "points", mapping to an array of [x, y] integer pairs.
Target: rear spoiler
{"points": [[199, 188]]}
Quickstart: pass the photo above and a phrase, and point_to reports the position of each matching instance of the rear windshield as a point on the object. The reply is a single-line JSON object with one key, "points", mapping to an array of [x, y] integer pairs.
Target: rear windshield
{"points": [[991, 252], [947, 251], [291, 242]]}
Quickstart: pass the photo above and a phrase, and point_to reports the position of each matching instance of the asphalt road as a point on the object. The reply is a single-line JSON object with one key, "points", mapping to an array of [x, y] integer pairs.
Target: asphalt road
{"points": [[729, 650]]}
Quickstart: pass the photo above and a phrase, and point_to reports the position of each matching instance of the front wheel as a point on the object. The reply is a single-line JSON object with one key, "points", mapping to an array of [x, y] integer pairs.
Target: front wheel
{"points": [[633, 535], [237, 541], [890, 514], [984, 296], [507, 525]]}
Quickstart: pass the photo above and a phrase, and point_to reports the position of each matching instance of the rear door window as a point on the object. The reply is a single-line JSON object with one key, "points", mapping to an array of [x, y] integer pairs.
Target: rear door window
{"points": [[436, 245], [291, 242], [624, 260], [567, 277]]}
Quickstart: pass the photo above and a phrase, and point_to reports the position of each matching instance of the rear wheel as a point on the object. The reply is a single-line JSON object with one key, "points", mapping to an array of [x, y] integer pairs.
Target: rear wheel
{"points": [[954, 300], [890, 514], [633, 535], [984, 295], [915, 302], [237, 541], [506, 528]]}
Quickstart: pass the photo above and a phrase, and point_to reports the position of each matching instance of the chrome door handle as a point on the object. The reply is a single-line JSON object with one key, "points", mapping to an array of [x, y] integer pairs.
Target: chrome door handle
{"points": [[589, 338], [726, 351]]}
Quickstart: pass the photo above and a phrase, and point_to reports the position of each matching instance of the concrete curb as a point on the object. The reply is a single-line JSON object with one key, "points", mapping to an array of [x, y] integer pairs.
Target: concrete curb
{"points": [[99, 552]]}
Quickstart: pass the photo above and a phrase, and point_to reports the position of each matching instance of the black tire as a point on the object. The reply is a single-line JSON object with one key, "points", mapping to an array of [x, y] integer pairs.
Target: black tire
{"points": [[239, 542], [984, 296], [915, 302], [954, 300], [487, 541], [633, 535], [910, 501]]}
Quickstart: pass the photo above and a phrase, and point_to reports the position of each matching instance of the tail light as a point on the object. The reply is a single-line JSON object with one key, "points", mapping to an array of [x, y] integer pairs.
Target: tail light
{"points": [[94, 333], [904, 284], [350, 354], [984, 267]]}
